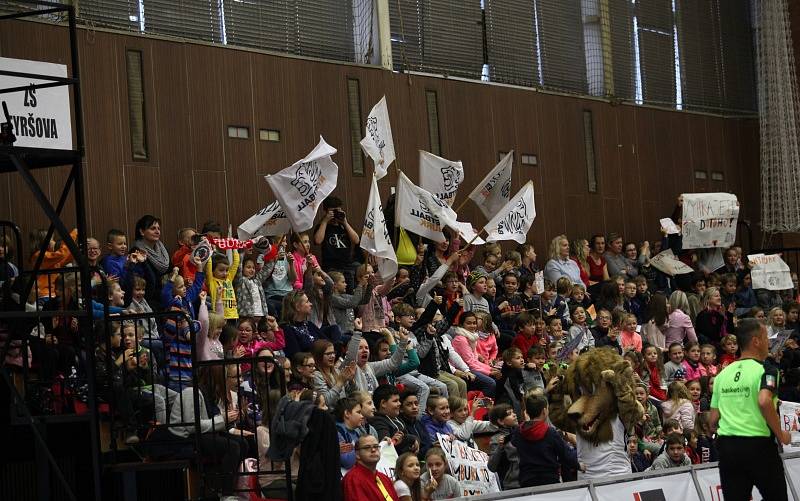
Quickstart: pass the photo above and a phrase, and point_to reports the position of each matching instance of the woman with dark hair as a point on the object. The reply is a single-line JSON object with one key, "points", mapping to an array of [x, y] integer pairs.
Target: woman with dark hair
{"points": [[654, 329], [157, 264]]}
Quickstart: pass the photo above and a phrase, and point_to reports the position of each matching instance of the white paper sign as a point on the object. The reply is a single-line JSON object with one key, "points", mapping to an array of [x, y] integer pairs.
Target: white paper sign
{"points": [[40, 117], [469, 467], [375, 237], [269, 221], [790, 414], [792, 466], [711, 487], [440, 176], [514, 220], [770, 272], [418, 211], [378, 142], [388, 459], [666, 262], [538, 282], [669, 225], [672, 487], [301, 187], [709, 220], [494, 191], [468, 234]]}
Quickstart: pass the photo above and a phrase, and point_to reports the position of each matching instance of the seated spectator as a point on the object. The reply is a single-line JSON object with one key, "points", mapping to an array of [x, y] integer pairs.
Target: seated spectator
{"points": [[409, 415], [437, 483], [363, 482], [407, 473], [436, 418], [463, 422], [679, 405], [674, 455], [638, 459], [542, 450], [387, 422], [503, 456], [348, 419]]}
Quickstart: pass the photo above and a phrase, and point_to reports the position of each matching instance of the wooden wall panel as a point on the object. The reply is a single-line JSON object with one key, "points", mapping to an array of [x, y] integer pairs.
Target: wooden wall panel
{"points": [[644, 157]]}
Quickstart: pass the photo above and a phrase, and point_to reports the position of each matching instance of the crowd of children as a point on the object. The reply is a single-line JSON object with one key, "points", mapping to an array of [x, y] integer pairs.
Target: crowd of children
{"points": [[459, 343]]}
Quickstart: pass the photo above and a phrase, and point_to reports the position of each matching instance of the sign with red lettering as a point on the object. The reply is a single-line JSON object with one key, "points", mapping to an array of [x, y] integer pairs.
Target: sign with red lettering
{"points": [[469, 467], [709, 220]]}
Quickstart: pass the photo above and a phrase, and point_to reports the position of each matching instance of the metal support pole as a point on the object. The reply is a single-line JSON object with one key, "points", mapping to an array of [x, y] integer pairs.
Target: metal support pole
{"points": [[608, 58], [384, 33]]}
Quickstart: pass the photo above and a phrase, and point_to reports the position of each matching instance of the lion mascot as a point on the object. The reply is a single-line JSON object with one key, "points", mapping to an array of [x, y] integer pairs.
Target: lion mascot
{"points": [[597, 402]]}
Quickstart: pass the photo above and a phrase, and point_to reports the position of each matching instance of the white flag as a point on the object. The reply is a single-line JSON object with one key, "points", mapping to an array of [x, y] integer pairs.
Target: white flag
{"points": [[494, 191], [378, 143], [440, 176], [375, 237], [269, 221], [418, 211], [514, 220], [301, 187]]}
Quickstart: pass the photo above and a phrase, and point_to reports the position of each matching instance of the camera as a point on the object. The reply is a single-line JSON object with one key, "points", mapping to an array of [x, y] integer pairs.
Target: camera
{"points": [[197, 238], [338, 214]]}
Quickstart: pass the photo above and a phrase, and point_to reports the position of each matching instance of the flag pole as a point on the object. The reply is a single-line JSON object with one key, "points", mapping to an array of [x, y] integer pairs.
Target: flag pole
{"points": [[473, 239], [462, 204]]}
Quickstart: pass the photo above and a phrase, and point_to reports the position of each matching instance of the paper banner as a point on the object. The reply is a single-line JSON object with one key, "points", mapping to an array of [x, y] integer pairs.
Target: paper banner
{"points": [[709, 220], [770, 272], [666, 262], [469, 467]]}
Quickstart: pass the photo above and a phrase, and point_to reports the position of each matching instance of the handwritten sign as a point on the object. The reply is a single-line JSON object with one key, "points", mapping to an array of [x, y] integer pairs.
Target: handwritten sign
{"points": [[469, 467], [709, 220], [666, 262], [770, 272], [790, 413], [670, 226]]}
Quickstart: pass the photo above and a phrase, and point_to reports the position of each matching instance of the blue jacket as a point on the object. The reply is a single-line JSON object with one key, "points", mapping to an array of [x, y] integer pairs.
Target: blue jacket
{"points": [[432, 427], [115, 265], [347, 436]]}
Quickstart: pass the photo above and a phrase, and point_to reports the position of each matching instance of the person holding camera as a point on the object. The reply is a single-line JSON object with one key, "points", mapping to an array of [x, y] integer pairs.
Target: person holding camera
{"points": [[337, 239]]}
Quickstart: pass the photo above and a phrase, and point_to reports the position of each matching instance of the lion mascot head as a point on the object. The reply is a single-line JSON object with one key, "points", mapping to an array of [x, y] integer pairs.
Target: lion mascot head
{"points": [[598, 387]]}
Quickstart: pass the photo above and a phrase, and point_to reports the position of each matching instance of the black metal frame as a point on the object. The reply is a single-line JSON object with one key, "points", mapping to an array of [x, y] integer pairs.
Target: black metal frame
{"points": [[24, 160]]}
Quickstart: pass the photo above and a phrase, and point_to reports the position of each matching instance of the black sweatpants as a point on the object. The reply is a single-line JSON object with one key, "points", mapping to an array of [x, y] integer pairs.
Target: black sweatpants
{"points": [[745, 462]]}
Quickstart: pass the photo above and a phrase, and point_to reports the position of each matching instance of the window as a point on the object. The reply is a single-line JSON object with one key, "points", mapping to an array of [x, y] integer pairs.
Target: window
{"points": [[588, 141], [432, 103], [700, 174], [269, 135], [354, 116], [529, 159], [238, 132], [717, 176], [136, 108]]}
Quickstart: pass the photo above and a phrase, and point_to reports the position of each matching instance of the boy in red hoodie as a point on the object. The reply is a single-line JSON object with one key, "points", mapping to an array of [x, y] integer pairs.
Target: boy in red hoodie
{"points": [[542, 450]]}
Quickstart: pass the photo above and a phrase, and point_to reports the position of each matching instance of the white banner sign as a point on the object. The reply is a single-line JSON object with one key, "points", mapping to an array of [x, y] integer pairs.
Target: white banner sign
{"points": [[269, 221], [790, 413], [514, 220], [375, 237], [418, 211], [711, 487], [668, 488], [388, 459], [469, 467], [669, 225], [494, 191], [301, 187], [709, 220], [666, 262], [440, 176], [467, 233], [40, 117], [770, 272], [378, 142]]}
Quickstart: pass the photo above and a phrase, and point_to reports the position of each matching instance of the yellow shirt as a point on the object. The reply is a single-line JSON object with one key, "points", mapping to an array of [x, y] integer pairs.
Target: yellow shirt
{"points": [[228, 293]]}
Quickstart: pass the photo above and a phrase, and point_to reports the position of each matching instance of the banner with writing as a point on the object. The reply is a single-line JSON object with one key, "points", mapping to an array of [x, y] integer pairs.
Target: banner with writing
{"points": [[418, 211], [269, 221], [709, 220], [388, 459], [790, 414], [514, 220], [378, 142], [440, 176], [666, 262], [301, 187], [678, 486], [375, 237], [494, 190], [469, 467], [770, 272], [40, 118]]}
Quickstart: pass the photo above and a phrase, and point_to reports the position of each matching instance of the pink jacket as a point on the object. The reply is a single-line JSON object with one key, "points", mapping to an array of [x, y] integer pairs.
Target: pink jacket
{"points": [[692, 374], [680, 328], [683, 412], [463, 344], [630, 340], [487, 347], [300, 266]]}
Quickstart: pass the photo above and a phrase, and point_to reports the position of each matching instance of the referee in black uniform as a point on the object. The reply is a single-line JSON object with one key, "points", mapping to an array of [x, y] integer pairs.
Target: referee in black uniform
{"points": [[744, 405]]}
